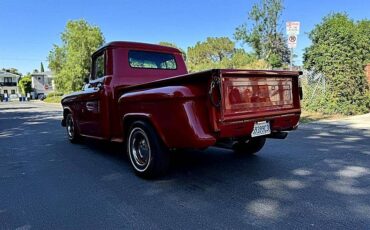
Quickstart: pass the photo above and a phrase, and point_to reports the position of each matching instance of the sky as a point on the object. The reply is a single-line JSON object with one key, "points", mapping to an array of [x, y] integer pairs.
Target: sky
{"points": [[29, 28]]}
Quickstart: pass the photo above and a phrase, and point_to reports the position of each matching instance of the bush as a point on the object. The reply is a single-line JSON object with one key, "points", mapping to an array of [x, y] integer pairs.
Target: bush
{"points": [[317, 98], [339, 51], [55, 94], [55, 99], [25, 85]]}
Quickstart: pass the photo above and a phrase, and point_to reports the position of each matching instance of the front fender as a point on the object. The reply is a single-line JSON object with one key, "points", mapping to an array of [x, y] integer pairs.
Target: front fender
{"points": [[66, 110]]}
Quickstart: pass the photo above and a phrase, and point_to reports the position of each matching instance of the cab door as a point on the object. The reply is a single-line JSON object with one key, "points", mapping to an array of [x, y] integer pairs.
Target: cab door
{"points": [[90, 119]]}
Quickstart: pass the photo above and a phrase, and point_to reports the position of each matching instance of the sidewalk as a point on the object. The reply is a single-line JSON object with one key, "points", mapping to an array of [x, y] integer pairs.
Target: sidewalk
{"points": [[357, 122], [28, 103]]}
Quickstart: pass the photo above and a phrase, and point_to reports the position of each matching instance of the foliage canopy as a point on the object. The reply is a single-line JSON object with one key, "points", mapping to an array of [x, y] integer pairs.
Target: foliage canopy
{"points": [[220, 52], [71, 61], [340, 50], [262, 33]]}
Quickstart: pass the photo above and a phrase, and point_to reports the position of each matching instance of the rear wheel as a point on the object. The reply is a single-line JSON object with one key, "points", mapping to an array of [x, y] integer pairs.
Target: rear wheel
{"points": [[148, 155], [72, 132], [249, 146]]}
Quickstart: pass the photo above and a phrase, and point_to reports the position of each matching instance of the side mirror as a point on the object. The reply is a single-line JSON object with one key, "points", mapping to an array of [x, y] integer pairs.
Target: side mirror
{"points": [[86, 83]]}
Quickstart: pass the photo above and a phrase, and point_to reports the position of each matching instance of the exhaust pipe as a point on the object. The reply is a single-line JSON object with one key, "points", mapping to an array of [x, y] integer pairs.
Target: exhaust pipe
{"points": [[278, 135]]}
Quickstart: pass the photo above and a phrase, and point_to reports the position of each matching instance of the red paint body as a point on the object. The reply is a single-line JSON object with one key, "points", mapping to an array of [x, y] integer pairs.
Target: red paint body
{"points": [[183, 108]]}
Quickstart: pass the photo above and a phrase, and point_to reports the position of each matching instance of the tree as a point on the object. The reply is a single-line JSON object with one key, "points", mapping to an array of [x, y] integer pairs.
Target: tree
{"points": [[263, 35], [239, 59], [42, 68], [339, 51], [173, 45], [220, 53], [212, 53], [71, 61], [25, 84], [57, 57]]}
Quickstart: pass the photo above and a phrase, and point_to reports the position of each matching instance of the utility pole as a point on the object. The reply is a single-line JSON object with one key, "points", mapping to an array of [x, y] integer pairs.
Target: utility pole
{"points": [[291, 59]]}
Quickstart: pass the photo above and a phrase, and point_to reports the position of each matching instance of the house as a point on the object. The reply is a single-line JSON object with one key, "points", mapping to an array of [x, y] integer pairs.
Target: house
{"points": [[42, 83], [8, 83]]}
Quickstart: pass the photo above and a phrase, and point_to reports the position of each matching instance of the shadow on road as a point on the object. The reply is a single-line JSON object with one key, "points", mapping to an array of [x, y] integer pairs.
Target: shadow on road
{"points": [[321, 172], [16, 108], [317, 177]]}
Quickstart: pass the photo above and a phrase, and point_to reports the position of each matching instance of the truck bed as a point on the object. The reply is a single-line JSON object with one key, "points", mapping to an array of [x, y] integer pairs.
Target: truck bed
{"points": [[221, 103], [203, 75]]}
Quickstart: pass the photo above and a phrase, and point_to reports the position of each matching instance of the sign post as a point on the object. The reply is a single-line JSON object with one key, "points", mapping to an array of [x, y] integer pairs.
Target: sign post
{"points": [[292, 30]]}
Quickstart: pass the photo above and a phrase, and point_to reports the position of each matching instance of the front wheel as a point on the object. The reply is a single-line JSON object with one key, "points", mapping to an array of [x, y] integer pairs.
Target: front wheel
{"points": [[249, 146], [148, 155], [72, 131]]}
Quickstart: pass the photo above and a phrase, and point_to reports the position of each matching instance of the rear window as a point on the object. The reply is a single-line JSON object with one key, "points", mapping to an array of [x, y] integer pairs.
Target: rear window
{"points": [[151, 60]]}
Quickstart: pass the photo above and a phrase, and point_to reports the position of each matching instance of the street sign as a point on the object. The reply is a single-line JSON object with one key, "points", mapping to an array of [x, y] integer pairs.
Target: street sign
{"points": [[292, 28], [292, 41]]}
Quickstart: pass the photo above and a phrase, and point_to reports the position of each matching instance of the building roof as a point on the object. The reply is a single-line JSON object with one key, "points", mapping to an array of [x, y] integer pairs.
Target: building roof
{"points": [[7, 74], [46, 73]]}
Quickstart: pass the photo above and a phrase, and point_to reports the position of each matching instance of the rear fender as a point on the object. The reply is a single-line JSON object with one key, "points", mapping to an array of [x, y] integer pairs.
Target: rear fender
{"points": [[129, 118], [177, 113]]}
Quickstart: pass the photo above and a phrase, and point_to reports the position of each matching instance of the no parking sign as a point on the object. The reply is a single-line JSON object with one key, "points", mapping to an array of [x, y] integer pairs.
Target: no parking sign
{"points": [[292, 29], [292, 41]]}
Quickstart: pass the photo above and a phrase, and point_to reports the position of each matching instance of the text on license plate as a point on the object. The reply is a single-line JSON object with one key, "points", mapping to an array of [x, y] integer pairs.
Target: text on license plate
{"points": [[261, 128]]}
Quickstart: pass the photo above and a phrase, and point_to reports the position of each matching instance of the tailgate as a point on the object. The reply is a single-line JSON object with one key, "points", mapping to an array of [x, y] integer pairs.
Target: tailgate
{"points": [[248, 95]]}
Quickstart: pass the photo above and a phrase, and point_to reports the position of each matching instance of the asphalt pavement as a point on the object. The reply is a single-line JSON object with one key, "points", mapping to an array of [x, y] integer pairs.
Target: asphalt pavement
{"points": [[317, 178]]}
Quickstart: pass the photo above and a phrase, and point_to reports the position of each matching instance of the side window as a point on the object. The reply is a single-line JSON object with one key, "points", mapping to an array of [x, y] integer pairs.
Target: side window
{"points": [[99, 70]]}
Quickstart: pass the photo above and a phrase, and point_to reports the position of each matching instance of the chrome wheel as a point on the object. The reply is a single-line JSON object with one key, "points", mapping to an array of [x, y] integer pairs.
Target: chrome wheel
{"points": [[148, 155], [139, 149], [70, 127]]}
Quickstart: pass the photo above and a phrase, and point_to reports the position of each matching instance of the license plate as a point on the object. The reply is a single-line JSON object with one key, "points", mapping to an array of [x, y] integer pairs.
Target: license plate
{"points": [[261, 128]]}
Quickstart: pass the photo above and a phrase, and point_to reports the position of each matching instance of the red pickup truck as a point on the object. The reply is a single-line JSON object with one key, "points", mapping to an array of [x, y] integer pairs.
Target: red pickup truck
{"points": [[142, 95]]}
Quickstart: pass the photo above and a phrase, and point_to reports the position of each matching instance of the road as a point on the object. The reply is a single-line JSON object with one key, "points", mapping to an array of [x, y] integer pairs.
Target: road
{"points": [[318, 178]]}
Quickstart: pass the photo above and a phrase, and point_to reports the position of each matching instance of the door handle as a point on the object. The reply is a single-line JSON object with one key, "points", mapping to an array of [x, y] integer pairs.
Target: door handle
{"points": [[91, 106]]}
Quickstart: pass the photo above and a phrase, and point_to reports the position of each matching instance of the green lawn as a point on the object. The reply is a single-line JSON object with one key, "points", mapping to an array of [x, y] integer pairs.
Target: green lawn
{"points": [[53, 99], [307, 117]]}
